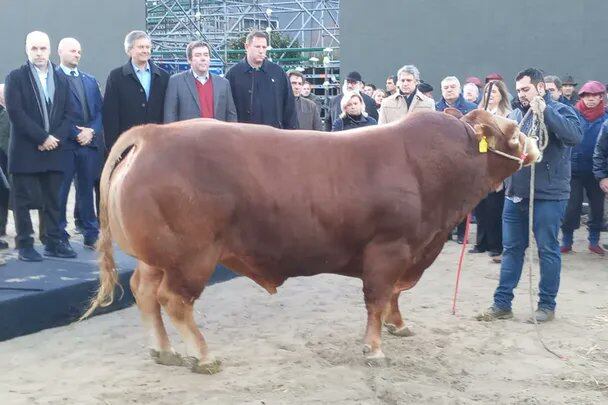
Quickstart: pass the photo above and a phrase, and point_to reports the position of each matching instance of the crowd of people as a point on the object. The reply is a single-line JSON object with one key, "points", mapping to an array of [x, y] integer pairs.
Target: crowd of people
{"points": [[61, 128]]}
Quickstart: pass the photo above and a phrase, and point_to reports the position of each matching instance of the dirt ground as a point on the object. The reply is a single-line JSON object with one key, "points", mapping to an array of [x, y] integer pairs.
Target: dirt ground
{"points": [[303, 346]]}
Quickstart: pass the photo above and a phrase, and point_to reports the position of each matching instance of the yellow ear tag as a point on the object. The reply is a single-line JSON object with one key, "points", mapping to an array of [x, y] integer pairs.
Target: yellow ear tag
{"points": [[483, 145]]}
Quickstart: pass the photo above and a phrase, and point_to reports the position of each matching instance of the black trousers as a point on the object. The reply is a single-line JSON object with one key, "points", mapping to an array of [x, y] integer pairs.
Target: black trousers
{"points": [[579, 184], [24, 197], [489, 222]]}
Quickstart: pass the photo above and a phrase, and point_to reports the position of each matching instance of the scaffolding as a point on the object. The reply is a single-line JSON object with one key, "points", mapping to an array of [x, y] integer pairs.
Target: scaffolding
{"points": [[311, 27]]}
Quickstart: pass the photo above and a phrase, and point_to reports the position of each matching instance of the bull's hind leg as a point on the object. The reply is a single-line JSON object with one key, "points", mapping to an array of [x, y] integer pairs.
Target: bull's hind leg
{"points": [[392, 317], [382, 264], [177, 294], [144, 285]]}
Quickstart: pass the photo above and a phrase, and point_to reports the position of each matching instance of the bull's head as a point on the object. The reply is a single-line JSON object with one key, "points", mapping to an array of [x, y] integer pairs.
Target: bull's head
{"points": [[502, 136]]}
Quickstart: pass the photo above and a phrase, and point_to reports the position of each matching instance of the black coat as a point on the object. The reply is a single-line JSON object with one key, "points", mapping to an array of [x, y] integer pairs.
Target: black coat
{"points": [[335, 110], [274, 95], [125, 104], [24, 108]]}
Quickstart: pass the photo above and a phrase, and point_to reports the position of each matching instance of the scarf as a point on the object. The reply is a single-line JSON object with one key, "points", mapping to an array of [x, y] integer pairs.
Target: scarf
{"points": [[590, 114]]}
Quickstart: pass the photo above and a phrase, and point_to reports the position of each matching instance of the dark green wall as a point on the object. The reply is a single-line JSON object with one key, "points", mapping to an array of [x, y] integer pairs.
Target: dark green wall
{"points": [[100, 26], [474, 37]]}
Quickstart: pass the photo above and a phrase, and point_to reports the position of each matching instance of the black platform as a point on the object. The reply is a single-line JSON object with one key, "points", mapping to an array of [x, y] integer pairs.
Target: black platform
{"points": [[55, 292]]}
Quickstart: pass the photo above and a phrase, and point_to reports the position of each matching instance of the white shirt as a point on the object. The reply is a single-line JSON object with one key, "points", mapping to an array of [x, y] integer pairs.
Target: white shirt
{"points": [[43, 76], [201, 79], [69, 71]]}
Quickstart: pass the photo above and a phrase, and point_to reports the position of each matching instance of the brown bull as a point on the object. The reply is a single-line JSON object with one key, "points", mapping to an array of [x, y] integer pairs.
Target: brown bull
{"points": [[375, 203]]}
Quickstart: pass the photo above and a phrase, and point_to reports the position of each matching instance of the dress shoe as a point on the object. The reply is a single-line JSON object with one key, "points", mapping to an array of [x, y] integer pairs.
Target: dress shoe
{"points": [[60, 249], [3, 244], [29, 254], [475, 249]]}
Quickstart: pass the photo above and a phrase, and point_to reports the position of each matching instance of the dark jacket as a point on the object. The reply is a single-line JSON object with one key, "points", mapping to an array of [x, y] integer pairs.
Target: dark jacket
{"points": [[125, 104], [5, 129], [94, 104], [552, 180], [461, 105], [348, 122], [335, 110], [582, 154], [263, 96], [600, 156], [24, 108]]}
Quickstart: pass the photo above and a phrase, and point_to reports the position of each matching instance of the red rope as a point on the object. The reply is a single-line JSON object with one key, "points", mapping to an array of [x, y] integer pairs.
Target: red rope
{"points": [[464, 247]]}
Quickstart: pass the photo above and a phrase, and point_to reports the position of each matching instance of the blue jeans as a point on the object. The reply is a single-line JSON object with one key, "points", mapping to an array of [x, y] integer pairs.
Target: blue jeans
{"points": [[82, 163], [548, 215]]}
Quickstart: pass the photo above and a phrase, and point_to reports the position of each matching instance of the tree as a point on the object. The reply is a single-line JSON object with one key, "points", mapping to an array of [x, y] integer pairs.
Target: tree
{"points": [[277, 40]]}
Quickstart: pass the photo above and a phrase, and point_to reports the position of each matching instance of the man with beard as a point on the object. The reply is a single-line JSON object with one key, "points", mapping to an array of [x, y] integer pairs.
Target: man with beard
{"points": [[552, 189]]}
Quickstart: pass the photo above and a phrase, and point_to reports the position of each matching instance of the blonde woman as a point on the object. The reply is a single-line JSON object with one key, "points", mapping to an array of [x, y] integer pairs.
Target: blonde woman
{"points": [[489, 211], [353, 113]]}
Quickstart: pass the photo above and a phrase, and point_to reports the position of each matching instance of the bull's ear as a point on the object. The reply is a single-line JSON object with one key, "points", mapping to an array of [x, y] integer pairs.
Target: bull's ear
{"points": [[453, 112], [485, 131]]}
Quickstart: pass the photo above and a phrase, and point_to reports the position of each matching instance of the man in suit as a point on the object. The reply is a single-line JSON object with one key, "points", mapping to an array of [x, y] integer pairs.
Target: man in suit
{"points": [[197, 93], [260, 88], [307, 110], [39, 112], [83, 143], [407, 99], [135, 92]]}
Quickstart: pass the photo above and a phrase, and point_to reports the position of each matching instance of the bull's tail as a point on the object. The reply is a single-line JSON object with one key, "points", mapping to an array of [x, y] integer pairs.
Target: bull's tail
{"points": [[108, 274]]}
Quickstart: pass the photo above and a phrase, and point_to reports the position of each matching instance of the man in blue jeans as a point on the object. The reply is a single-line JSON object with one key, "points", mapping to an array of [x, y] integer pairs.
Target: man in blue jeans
{"points": [[552, 190]]}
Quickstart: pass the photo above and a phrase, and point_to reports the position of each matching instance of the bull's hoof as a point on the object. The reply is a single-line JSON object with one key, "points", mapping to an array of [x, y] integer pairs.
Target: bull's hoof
{"points": [[374, 358], [403, 331], [166, 358], [211, 367]]}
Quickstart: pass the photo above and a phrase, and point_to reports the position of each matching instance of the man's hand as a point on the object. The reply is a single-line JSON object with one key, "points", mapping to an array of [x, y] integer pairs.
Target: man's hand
{"points": [[49, 144], [538, 105], [85, 136], [604, 185]]}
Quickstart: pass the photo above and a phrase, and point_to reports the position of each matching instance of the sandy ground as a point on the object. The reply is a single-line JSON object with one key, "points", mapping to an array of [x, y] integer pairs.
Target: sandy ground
{"points": [[303, 346]]}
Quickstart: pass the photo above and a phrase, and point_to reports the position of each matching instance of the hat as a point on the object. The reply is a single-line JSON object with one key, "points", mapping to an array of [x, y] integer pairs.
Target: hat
{"points": [[592, 87], [493, 76], [354, 76], [425, 87], [568, 80], [475, 80]]}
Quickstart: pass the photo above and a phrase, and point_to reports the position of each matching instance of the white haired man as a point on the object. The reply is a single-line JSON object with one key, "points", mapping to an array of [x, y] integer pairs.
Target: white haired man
{"points": [[407, 98], [135, 92]]}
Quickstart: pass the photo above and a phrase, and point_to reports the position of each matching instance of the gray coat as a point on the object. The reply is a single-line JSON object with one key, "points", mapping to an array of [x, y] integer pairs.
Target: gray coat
{"points": [[181, 99], [308, 114]]}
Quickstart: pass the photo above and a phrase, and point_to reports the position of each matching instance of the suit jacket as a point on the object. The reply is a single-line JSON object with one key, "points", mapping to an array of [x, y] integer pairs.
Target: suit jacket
{"points": [[335, 110], [308, 114], [24, 108], [182, 102], [125, 104], [94, 105], [395, 107]]}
